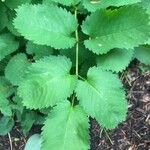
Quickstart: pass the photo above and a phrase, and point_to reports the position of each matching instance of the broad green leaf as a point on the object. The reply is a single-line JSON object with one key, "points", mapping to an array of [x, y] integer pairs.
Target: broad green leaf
{"points": [[5, 108], [39, 51], [16, 67], [102, 97], [93, 5], [33, 143], [55, 24], [119, 28], [8, 44], [116, 60], [6, 124], [142, 53], [67, 2], [12, 4], [47, 82], [71, 124], [6, 89]]}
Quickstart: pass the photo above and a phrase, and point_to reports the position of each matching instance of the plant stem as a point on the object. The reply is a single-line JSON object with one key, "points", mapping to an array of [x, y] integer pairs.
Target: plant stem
{"points": [[77, 45]]}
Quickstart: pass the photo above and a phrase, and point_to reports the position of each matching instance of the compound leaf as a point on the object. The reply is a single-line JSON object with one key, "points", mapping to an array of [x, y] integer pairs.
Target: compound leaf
{"points": [[8, 44], [116, 60], [55, 24], [93, 5], [142, 53], [71, 124], [119, 28], [104, 98], [16, 67], [47, 82]]}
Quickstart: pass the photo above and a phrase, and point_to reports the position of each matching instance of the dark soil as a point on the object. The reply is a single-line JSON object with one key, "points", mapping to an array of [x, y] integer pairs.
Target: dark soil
{"points": [[133, 134]]}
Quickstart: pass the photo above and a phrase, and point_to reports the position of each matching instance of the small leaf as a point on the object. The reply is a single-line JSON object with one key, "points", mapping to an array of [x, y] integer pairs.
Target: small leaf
{"points": [[5, 108], [142, 53], [27, 120], [104, 98], [8, 44], [118, 28], [116, 60], [47, 82], [34, 143], [71, 124], [55, 24], [16, 67], [6, 89], [6, 124]]}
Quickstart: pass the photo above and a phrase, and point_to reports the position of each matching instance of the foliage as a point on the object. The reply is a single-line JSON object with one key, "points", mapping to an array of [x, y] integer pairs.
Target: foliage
{"points": [[59, 64]]}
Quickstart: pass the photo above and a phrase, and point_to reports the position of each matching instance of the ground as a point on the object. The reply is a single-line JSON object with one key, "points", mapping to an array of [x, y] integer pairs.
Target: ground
{"points": [[133, 134]]}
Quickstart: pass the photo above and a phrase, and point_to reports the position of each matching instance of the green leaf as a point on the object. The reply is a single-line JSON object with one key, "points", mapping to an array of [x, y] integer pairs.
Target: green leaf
{"points": [[67, 2], [146, 4], [11, 15], [116, 60], [34, 143], [15, 3], [8, 44], [16, 67], [3, 20], [84, 54], [6, 124], [39, 51], [142, 53], [47, 82], [93, 5], [6, 88], [27, 120], [104, 98], [55, 24], [119, 28], [5, 108], [17, 105], [71, 124]]}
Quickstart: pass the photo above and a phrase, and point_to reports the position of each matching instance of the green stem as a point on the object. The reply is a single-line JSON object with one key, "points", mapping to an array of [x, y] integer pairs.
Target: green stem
{"points": [[77, 45]]}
